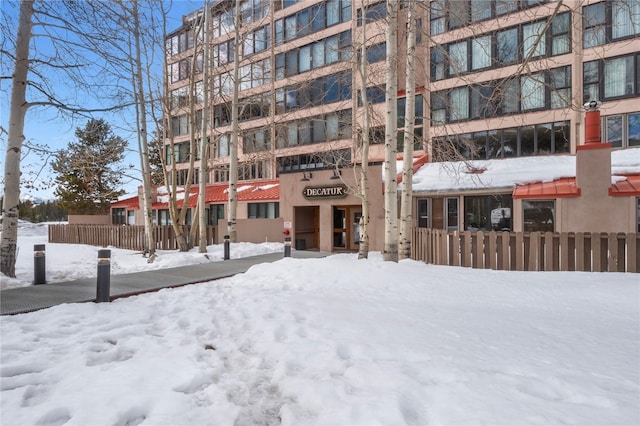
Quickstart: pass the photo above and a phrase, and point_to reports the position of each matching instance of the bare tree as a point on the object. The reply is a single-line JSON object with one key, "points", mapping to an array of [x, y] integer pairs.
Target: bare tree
{"points": [[390, 251], [32, 76], [17, 111], [404, 251]]}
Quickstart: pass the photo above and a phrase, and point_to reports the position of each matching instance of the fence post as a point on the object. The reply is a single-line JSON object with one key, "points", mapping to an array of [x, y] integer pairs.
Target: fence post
{"points": [[104, 275], [39, 265]]}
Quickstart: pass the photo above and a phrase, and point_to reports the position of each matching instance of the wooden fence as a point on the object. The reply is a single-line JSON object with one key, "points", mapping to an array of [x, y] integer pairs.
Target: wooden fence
{"points": [[121, 236], [529, 251]]}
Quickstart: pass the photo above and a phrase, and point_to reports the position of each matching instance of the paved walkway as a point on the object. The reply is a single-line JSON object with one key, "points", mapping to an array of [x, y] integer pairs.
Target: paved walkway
{"points": [[32, 298]]}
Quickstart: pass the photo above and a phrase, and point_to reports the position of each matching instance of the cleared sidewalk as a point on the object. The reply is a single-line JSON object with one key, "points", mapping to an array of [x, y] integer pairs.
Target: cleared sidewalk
{"points": [[35, 297]]}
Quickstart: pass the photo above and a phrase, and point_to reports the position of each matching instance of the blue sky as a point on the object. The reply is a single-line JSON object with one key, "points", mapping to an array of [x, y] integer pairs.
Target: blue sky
{"points": [[45, 126]]}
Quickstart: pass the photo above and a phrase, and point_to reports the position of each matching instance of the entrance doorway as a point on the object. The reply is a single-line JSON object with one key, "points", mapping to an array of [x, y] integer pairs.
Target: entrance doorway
{"points": [[307, 227], [346, 231]]}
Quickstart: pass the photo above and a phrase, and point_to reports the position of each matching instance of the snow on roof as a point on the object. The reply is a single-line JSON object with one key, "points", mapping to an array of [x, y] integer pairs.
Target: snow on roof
{"points": [[507, 173]]}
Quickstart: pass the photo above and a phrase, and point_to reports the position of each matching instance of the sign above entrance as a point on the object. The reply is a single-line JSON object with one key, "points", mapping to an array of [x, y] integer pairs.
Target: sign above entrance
{"points": [[325, 191]]}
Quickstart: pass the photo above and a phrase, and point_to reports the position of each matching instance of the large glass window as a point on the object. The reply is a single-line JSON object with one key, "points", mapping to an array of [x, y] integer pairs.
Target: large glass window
{"points": [[538, 215], [618, 77], [264, 210], [488, 212], [458, 58], [625, 18], [594, 23], [533, 41], [507, 46], [459, 103], [532, 90], [614, 130], [634, 129], [481, 52]]}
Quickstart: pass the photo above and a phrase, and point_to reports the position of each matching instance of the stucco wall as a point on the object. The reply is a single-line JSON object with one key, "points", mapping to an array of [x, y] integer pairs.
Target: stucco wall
{"points": [[254, 230], [291, 196]]}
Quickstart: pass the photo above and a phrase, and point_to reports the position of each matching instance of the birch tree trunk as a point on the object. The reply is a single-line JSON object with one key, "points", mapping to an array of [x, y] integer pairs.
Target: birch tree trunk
{"points": [[390, 250], [363, 250], [406, 217], [233, 140], [204, 154], [141, 112], [17, 111]]}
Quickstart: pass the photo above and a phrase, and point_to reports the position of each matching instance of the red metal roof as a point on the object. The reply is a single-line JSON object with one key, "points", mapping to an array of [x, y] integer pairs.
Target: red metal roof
{"points": [[565, 187], [630, 187], [127, 203], [263, 190]]}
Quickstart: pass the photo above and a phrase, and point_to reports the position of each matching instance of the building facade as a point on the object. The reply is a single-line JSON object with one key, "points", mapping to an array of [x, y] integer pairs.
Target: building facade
{"points": [[496, 79]]}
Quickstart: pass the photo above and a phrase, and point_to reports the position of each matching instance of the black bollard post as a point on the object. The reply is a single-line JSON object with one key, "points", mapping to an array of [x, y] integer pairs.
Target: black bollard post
{"points": [[227, 244], [104, 276], [287, 246], [39, 265]]}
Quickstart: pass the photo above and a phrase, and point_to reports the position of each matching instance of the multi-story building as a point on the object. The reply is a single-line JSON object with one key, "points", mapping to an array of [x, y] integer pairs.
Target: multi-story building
{"points": [[496, 79]]}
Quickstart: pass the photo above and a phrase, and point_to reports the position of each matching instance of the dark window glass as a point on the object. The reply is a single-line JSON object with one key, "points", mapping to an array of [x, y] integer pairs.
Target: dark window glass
{"points": [[614, 130], [634, 129], [527, 139], [544, 139], [561, 137], [507, 46], [538, 215], [594, 23], [376, 53], [486, 213]]}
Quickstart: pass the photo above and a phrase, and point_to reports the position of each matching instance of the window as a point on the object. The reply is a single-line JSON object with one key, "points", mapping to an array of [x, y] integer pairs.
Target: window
{"points": [[533, 91], [507, 46], [633, 129], [480, 10], [538, 215], [591, 81], [373, 13], [541, 139], [438, 16], [594, 23], [256, 140], [533, 41], [611, 78], [625, 18], [423, 213], [560, 34], [458, 14], [215, 213], [223, 145], [489, 212], [438, 56], [481, 52], [561, 87], [458, 58], [618, 77], [610, 21], [622, 131], [376, 53], [459, 103], [481, 101]]}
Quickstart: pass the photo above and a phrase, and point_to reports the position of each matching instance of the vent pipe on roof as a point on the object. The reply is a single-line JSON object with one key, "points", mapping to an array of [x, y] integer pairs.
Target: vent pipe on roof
{"points": [[592, 122]]}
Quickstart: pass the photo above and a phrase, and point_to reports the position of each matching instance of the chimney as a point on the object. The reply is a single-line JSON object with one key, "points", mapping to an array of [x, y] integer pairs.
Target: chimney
{"points": [[593, 158]]}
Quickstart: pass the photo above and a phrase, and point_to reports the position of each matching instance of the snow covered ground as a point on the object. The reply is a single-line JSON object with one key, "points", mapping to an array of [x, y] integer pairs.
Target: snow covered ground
{"points": [[333, 341]]}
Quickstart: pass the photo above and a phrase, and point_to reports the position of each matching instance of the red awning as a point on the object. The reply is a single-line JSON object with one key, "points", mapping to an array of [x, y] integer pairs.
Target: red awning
{"points": [[630, 187], [560, 188]]}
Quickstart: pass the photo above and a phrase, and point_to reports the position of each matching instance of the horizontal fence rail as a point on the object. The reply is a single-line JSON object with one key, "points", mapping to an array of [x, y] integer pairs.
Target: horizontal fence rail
{"points": [[121, 236], [529, 251]]}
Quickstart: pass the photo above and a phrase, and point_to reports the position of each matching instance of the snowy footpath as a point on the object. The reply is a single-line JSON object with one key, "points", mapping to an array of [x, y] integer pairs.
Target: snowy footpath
{"points": [[335, 341]]}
